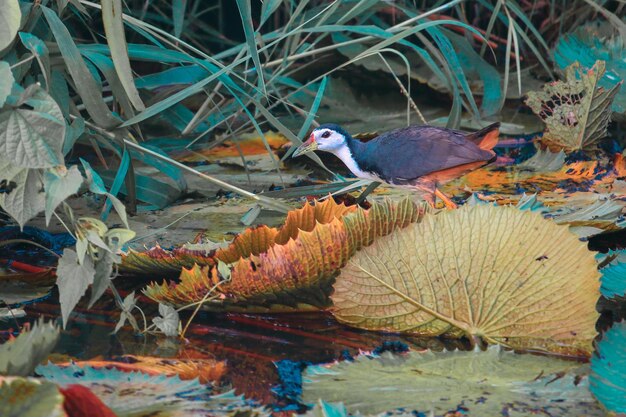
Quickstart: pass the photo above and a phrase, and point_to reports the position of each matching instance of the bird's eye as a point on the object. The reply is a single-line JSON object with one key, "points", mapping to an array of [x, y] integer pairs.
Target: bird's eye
{"points": [[326, 134]]}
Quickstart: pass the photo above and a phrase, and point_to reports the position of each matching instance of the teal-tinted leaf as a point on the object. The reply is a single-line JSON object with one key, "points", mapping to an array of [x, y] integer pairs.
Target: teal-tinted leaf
{"points": [[170, 170], [32, 137], [324, 409], [59, 91], [481, 383], [187, 74], [83, 80], [118, 181], [178, 16], [20, 356], [140, 395], [608, 369], [245, 11], [529, 202], [6, 82], [27, 199], [596, 41], [38, 48], [10, 19], [106, 66], [268, 8], [73, 278], [310, 117], [96, 185], [614, 281], [475, 67], [20, 397], [116, 39], [60, 183], [72, 133], [155, 193], [544, 161]]}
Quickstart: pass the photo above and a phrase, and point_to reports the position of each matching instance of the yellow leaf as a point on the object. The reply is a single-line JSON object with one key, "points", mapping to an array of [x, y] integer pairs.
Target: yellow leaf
{"points": [[505, 275]]}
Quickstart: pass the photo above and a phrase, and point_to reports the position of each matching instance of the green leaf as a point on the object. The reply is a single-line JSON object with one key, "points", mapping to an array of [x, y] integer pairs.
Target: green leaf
{"points": [[178, 16], [6, 81], [491, 383], [32, 136], [83, 81], [73, 279], [10, 19], [27, 199], [20, 356], [168, 322], [576, 111], [60, 183], [116, 39], [21, 397]]}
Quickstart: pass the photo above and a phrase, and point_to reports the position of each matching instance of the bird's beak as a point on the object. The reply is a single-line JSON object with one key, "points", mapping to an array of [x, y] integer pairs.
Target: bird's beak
{"points": [[309, 146]]}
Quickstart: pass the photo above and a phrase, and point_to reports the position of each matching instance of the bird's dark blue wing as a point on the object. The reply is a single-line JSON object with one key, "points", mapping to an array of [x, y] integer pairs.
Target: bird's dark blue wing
{"points": [[408, 153]]}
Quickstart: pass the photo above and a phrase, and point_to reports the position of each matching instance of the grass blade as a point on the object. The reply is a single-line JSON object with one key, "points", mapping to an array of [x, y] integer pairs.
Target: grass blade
{"points": [[116, 38], [246, 19]]}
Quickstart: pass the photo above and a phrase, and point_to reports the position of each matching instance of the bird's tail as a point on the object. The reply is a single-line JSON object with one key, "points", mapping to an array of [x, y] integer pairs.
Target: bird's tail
{"points": [[487, 137]]}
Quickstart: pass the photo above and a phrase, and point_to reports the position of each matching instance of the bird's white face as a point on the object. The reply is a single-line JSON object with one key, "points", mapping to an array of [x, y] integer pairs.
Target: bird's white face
{"points": [[328, 140]]}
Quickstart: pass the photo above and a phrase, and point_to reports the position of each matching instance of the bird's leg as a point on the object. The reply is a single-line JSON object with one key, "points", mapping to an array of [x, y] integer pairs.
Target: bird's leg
{"points": [[446, 200]]}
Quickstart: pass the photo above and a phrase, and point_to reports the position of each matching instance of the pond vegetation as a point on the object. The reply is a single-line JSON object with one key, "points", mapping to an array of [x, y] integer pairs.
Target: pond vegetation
{"points": [[171, 244]]}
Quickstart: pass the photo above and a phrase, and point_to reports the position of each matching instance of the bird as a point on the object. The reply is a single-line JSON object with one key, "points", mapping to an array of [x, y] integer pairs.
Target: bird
{"points": [[420, 158]]}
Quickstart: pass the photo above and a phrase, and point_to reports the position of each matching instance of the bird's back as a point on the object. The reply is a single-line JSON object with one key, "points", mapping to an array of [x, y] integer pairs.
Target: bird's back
{"points": [[403, 155]]}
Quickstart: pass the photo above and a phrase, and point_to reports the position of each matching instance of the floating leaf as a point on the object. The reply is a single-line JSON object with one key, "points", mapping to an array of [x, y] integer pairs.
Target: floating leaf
{"points": [[608, 369], [206, 370], [20, 356], [598, 210], [576, 111], [545, 161], [73, 280], [499, 273], [141, 395], [614, 281], [491, 383], [31, 136], [21, 397], [127, 307], [288, 268]]}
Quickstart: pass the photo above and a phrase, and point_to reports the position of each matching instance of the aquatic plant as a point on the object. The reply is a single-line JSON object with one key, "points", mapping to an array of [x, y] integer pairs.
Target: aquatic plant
{"points": [[498, 274]]}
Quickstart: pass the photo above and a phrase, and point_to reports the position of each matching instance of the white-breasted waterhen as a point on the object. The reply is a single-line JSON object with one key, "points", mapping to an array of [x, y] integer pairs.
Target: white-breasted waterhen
{"points": [[415, 157]]}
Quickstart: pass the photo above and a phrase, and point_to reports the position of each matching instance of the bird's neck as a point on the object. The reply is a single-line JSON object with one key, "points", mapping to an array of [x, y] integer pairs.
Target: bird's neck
{"points": [[349, 155]]}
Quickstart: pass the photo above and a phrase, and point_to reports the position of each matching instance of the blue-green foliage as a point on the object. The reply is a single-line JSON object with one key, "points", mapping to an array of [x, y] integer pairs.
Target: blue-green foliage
{"points": [[586, 45], [608, 369], [614, 281]]}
